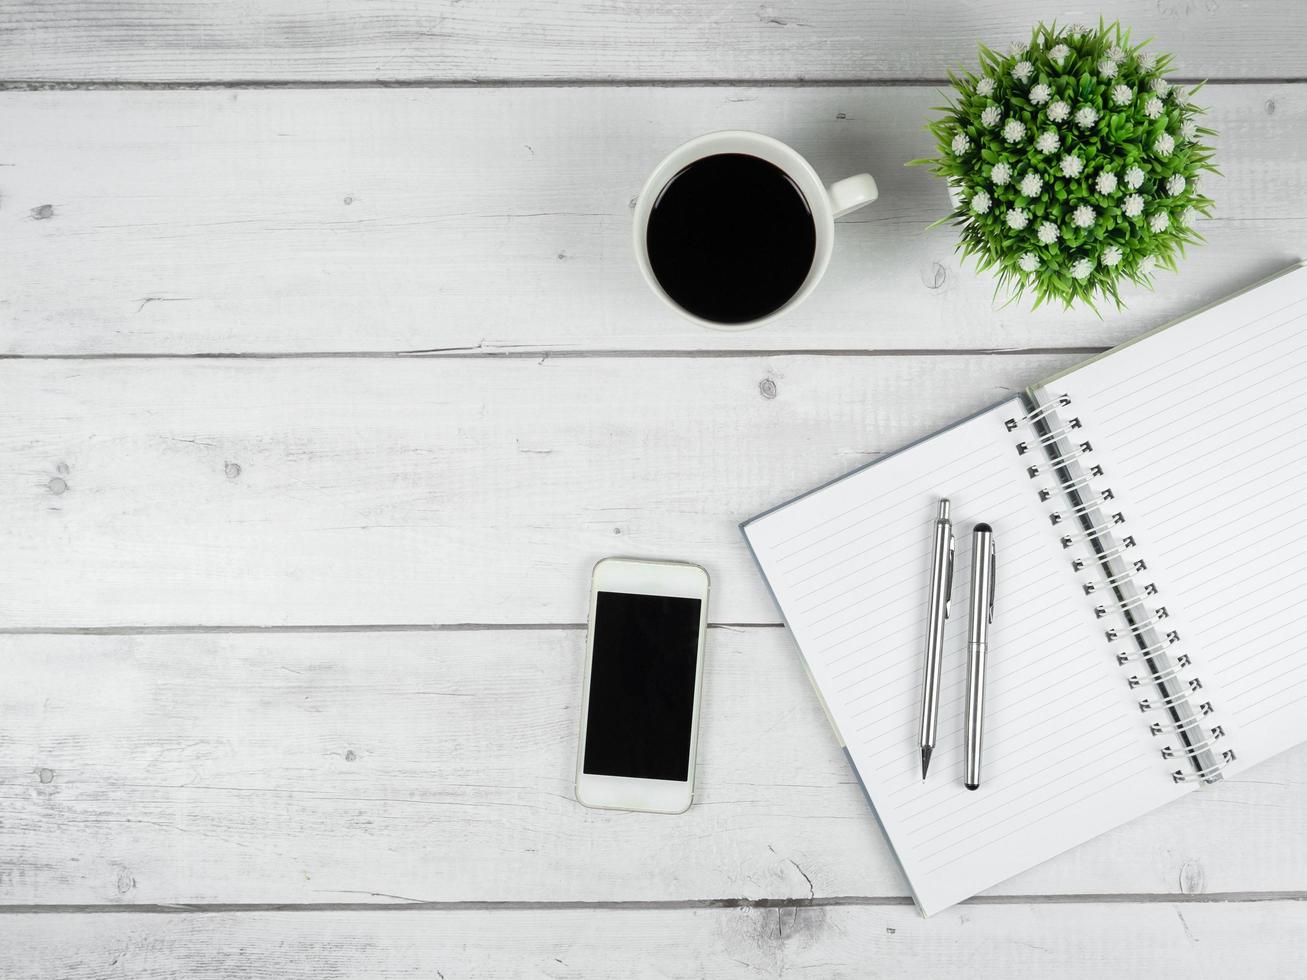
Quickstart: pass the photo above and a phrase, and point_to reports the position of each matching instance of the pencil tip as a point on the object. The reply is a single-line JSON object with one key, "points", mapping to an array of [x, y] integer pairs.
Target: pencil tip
{"points": [[925, 761]]}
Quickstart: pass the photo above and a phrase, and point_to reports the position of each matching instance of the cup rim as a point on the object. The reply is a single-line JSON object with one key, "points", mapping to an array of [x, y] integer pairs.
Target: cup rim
{"points": [[791, 161]]}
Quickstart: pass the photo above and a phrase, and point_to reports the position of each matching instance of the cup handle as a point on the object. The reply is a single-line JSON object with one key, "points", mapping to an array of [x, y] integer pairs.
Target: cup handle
{"points": [[852, 193]]}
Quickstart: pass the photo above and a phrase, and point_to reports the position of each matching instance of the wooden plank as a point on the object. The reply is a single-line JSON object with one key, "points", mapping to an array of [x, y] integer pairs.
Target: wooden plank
{"points": [[399, 490], [390, 767], [447, 40], [1012, 942], [490, 220]]}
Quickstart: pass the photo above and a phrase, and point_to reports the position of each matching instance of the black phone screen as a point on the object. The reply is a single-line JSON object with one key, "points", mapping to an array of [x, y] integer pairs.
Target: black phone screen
{"points": [[642, 686]]}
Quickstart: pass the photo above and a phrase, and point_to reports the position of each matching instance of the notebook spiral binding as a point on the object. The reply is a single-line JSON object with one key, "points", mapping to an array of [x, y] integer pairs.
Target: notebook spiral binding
{"points": [[1099, 539]]}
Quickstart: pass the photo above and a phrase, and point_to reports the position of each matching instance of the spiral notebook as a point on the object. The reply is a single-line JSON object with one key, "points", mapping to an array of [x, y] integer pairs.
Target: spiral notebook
{"points": [[1147, 631]]}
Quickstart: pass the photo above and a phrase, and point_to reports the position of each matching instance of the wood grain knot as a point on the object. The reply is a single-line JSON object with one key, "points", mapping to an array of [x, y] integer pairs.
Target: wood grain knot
{"points": [[1193, 880], [934, 276]]}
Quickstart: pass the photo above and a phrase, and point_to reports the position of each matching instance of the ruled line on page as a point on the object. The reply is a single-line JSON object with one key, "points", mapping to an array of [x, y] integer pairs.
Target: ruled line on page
{"points": [[906, 669], [860, 541], [1054, 733], [974, 818], [1042, 817], [1233, 391], [851, 573], [889, 624], [1261, 718], [955, 464], [1167, 491], [1235, 406], [1190, 349]]}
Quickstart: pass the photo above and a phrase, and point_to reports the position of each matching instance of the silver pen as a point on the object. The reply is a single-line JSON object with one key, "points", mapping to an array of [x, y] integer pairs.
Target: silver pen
{"points": [[941, 590], [981, 614]]}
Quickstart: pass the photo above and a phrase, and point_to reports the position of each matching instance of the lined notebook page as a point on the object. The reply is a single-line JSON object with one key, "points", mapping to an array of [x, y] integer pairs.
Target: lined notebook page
{"points": [[1066, 754], [1201, 430]]}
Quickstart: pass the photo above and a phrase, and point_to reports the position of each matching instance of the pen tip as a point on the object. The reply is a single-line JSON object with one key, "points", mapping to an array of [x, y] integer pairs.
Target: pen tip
{"points": [[925, 762], [972, 785]]}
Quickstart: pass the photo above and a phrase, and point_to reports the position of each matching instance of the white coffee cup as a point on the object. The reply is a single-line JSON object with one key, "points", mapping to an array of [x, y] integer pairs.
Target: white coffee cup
{"points": [[825, 203]]}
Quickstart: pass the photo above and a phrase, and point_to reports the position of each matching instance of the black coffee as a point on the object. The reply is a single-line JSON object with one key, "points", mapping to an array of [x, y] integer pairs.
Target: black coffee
{"points": [[731, 238]]}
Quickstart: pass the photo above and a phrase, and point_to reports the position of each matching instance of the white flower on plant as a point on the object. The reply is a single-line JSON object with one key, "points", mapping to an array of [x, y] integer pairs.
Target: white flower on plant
{"points": [[1001, 174], [1146, 60], [1189, 130], [980, 202], [1041, 93], [1081, 269], [1116, 53], [1175, 184], [1022, 71], [1086, 116], [1153, 107], [1133, 206], [1017, 49], [1164, 144], [1160, 86], [1159, 222], [1072, 165], [1107, 68], [1106, 182], [961, 143], [1017, 218], [985, 87], [1047, 142], [1133, 178], [1014, 131], [1179, 96], [1059, 111], [1046, 233], [1058, 53], [1083, 216], [1147, 265], [1029, 262], [1122, 94], [990, 116], [1111, 256], [1188, 216], [1031, 184]]}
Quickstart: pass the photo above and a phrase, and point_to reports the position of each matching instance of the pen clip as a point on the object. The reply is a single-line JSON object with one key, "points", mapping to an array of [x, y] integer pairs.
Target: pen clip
{"points": [[948, 573], [993, 572]]}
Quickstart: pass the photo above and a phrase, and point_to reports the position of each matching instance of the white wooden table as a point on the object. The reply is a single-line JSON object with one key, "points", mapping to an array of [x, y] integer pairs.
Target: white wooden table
{"points": [[306, 309]]}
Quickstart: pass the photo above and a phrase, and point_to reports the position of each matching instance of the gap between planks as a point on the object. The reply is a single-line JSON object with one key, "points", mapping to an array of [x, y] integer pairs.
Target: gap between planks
{"points": [[522, 353], [91, 85], [707, 903], [308, 628]]}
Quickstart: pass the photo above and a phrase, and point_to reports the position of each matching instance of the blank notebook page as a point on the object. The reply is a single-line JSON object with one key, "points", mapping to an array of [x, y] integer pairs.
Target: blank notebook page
{"points": [[1201, 430], [1067, 755]]}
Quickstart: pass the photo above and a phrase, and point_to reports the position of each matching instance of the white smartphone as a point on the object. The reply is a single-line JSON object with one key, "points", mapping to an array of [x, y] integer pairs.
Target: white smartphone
{"points": [[643, 678]]}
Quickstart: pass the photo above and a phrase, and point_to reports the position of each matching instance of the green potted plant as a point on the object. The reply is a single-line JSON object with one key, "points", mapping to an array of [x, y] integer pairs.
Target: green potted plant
{"points": [[1073, 164]]}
